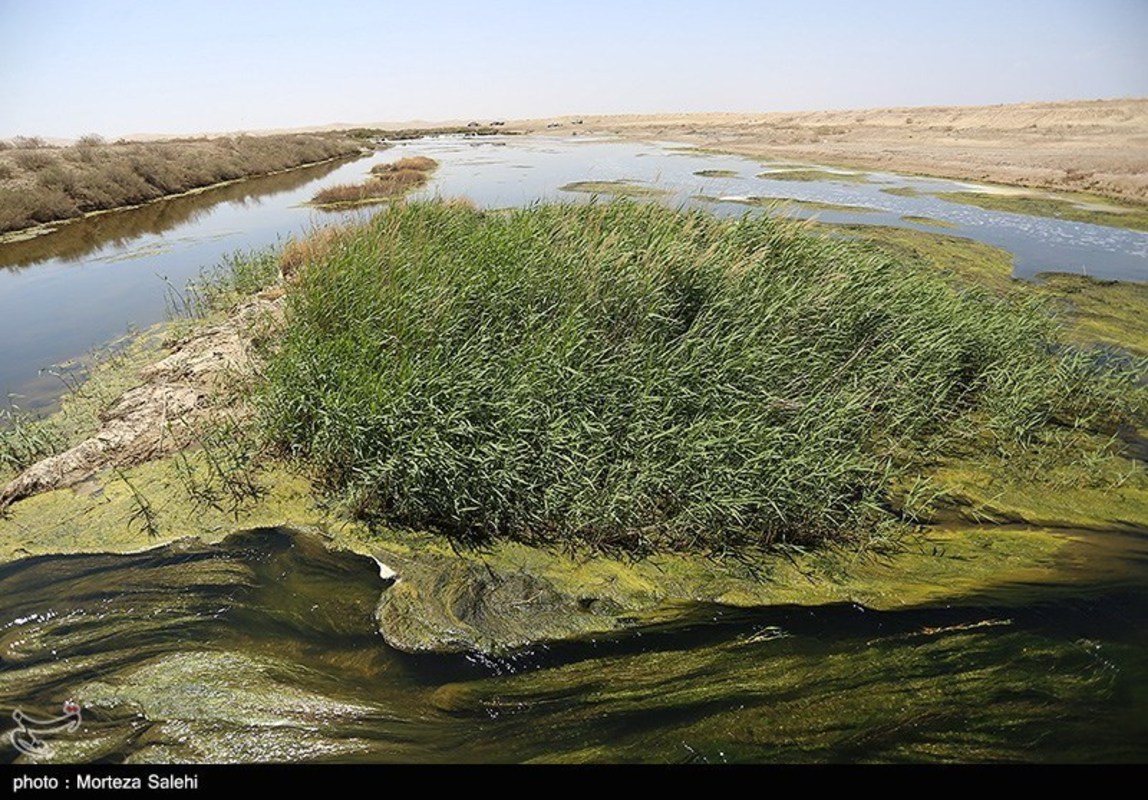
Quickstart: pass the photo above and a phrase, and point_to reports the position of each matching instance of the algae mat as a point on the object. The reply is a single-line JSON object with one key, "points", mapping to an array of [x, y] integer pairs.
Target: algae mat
{"points": [[264, 648]]}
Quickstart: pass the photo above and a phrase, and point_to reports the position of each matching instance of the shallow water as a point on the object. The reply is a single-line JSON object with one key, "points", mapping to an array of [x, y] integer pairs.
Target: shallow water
{"points": [[80, 288], [263, 649]]}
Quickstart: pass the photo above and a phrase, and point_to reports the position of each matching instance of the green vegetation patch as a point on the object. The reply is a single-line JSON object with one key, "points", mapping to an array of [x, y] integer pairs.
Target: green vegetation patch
{"points": [[936, 223], [967, 260], [815, 175], [902, 191], [626, 375], [814, 205], [615, 188], [716, 173], [124, 510], [387, 182], [1134, 218]]}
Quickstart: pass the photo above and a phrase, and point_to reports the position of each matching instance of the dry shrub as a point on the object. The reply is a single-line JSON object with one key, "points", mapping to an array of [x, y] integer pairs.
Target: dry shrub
{"points": [[394, 183], [32, 205], [341, 193], [94, 175], [416, 163], [379, 188], [34, 160], [59, 177]]}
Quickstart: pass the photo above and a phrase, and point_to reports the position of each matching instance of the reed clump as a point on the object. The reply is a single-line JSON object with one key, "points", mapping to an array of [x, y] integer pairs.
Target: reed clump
{"points": [[411, 163], [387, 181], [629, 376]]}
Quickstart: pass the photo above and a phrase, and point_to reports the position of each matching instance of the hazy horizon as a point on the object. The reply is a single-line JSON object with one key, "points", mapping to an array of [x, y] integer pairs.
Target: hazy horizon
{"points": [[118, 67]]}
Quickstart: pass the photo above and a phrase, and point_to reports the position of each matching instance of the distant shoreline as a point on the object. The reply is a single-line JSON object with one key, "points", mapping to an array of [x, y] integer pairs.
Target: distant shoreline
{"points": [[1098, 147]]}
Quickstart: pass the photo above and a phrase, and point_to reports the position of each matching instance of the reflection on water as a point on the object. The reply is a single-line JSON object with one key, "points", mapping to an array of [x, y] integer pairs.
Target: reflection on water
{"points": [[118, 229], [263, 648], [83, 286]]}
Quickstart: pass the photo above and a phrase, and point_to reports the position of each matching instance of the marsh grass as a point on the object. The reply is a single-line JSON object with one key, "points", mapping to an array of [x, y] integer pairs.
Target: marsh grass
{"points": [[387, 182], [936, 223], [25, 438], [628, 376], [902, 191], [143, 513], [220, 469], [409, 164], [237, 275]]}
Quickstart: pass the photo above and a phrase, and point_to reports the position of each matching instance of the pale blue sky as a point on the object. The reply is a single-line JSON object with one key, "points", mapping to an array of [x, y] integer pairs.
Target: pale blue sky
{"points": [[69, 67]]}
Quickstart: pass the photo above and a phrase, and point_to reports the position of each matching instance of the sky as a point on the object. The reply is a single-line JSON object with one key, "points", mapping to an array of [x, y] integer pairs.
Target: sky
{"points": [[119, 67]]}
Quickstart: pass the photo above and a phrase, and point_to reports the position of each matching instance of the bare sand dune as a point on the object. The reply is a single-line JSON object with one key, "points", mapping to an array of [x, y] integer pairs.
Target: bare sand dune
{"points": [[1096, 146]]}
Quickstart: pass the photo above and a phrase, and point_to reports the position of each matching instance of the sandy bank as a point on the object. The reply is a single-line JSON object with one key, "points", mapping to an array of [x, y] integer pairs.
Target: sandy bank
{"points": [[1093, 146]]}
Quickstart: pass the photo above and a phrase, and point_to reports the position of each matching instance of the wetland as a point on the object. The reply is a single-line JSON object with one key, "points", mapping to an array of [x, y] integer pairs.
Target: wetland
{"points": [[925, 541]]}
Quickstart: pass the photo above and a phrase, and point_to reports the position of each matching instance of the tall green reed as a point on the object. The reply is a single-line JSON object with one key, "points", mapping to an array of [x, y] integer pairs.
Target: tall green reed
{"points": [[626, 375]]}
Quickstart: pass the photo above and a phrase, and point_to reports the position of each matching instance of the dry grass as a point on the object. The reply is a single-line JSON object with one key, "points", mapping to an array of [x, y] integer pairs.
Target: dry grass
{"points": [[41, 184], [416, 163], [316, 247], [387, 181]]}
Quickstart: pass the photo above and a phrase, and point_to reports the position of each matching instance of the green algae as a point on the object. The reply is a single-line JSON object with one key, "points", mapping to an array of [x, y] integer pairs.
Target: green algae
{"points": [[809, 175], [1113, 313], [939, 689], [97, 516], [621, 188], [782, 202], [835, 683], [1095, 210], [442, 604], [1106, 312], [964, 259], [509, 594], [902, 191], [996, 490], [936, 223]]}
